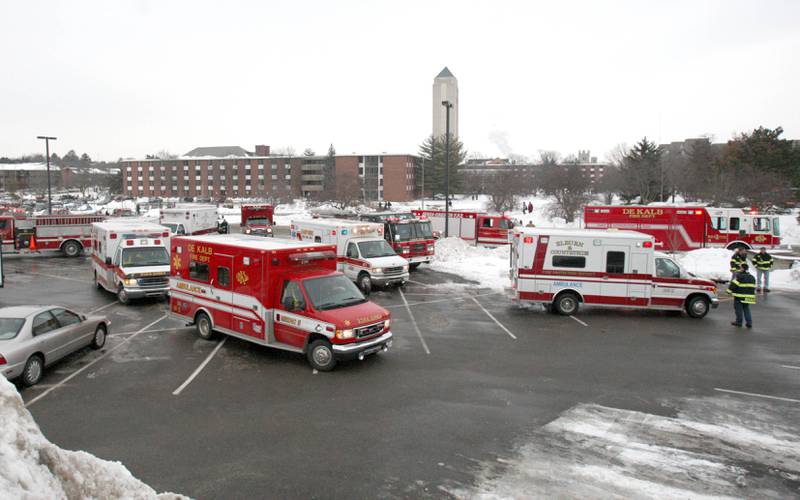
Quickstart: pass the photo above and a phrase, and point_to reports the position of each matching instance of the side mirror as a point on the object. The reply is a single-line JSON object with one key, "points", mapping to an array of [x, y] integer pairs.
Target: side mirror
{"points": [[82, 316], [108, 261]]}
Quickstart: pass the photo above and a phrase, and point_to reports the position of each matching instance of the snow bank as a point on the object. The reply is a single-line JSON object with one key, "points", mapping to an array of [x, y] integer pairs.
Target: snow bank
{"points": [[714, 264], [32, 467], [790, 229], [487, 266]]}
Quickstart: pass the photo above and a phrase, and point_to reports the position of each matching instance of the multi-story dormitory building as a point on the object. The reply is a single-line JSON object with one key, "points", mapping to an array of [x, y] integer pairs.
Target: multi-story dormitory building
{"points": [[233, 172]]}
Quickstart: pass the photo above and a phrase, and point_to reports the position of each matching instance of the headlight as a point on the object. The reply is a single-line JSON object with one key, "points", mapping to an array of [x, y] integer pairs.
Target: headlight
{"points": [[129, 282], [269, 229], [406, 250], [377, 270], [247, 231], [345, 334], [386, 324], [405, 268], [430, 248]]}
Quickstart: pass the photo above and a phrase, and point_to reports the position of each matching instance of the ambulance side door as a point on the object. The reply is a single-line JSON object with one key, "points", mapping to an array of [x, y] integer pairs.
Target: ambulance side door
{"points": [[350, 269], [614, 283], [289, 315], [221, 291], [640, 290]]}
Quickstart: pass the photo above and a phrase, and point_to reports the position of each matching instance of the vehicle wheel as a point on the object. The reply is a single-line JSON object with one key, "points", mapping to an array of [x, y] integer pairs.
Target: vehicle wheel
{"points": [[365, 283], [72, 249], [97, 282], [566, 304], [99, 339], [320, 356], [34, 369], [122, 296], [697, 307], [737, 246], [414, 265], [204, 329]]}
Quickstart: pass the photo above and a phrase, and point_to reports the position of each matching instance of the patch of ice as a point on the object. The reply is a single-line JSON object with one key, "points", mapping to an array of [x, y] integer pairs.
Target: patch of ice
{"points": [[33, 467]]}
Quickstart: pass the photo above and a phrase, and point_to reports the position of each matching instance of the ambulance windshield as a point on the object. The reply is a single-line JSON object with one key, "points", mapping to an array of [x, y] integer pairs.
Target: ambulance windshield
{"points": [[332, 292], [145, 256], [375, 249], [258, 221]]}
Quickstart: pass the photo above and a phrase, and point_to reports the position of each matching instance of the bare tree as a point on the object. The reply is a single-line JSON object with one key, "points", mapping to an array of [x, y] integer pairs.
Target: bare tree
{"points": [[348, 190], [568, 187], [503, 189]]}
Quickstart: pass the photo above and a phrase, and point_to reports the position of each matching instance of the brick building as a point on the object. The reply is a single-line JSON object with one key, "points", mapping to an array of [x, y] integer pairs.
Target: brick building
{"points": [[233, 172]]}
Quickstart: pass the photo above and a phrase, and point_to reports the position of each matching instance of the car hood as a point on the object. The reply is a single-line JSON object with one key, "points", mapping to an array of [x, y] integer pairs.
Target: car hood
{"points": [[354, 316], [140, 272], [390, 261]]}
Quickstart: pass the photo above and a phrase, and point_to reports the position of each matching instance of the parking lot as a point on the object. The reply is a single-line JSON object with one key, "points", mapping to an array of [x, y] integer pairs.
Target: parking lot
{"points": [[456, 407]]}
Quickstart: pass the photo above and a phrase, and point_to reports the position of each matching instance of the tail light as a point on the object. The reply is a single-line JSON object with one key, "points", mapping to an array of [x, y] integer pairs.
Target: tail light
{"points": [[165, 235], [2, 360], [157, 242]]}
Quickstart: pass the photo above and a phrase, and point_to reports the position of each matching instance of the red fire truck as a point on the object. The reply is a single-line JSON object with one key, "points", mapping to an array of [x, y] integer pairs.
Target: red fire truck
{"points": [[688, 228], [479, 228], [257, 220], [564, 268], [411, 237], [68, 233], [277, 293]]}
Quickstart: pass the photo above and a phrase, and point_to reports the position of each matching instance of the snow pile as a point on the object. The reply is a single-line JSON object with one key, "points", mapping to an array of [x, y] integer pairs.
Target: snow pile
{"points": [[785, 279], [710, 263], [32, 467], [790, 229], [715, 448], [487, 266]]}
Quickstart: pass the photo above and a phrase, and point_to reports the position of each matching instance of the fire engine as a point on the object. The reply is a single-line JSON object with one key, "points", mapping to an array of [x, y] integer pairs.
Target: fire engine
{"points": [[277, 293], [563, 268], [257, 220], [689, 228], [190, 219], [68, 233], [363, 254], [131, 259], [479, 228], [410, 237]]}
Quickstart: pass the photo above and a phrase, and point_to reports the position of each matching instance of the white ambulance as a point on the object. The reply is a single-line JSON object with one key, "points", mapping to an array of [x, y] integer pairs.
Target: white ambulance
{"points": [[363, 254], [190, 219], [563, 268], [131, 258]]}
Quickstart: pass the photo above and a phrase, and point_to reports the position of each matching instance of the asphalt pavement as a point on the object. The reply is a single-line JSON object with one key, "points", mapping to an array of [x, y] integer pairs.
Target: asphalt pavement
{"points": [[470, 378]]}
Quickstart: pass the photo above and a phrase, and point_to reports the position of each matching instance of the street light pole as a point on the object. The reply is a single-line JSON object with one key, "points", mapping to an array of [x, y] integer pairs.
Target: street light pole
{"points": [[423, 183], [47, 140], [447, 106]]}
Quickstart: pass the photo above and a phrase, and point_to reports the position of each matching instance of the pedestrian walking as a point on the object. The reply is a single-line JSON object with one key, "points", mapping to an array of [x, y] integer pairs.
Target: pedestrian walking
{"points": [[530, 207], [738, 258], [763, 264], [743, 290], [524, 208], [223, 226]]}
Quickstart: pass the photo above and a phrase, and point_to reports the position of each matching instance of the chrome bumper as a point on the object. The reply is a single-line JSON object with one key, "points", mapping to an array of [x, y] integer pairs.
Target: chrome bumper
{"points": [[714, 302], [388, 280], [361, 346], [138, 293], [418, 258]]}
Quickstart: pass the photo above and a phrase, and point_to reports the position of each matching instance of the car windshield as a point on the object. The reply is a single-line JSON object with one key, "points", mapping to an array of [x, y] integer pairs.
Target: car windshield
{"points": [[258, 221], [10, 327], [142, 257], [172, 227], [374, 249], [403, 232], [424, 230], [332, 292]]}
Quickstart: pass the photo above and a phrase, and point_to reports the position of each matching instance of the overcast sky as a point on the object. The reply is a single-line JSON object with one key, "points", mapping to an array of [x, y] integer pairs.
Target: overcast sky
{"points": [[127, 78]]}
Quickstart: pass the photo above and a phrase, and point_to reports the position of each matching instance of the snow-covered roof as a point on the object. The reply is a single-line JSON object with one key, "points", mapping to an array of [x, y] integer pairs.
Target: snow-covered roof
{"points": [[28, 167], [584, 233], [254, 242]]}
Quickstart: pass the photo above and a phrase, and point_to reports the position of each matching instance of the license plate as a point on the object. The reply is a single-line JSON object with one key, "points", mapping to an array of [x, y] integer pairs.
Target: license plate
{"points": [[372, 350]]}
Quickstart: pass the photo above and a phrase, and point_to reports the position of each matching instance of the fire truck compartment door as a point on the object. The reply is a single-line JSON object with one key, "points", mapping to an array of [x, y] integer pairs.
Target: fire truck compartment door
{"points": [[466, 227], [221, 289]]}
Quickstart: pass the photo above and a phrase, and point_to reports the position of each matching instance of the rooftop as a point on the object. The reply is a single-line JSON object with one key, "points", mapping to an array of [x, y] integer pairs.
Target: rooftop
{"points": [[219, 151], [28, 167], [253, 242], [445, 73], [584, 233]]}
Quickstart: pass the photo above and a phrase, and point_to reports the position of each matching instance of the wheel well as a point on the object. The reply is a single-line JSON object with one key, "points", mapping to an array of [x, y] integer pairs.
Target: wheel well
{"points": [[40, 355], [738, 244], [104, 325], [362, 273], [208, 315], [570, 291], [696, 294], [314, 337]]}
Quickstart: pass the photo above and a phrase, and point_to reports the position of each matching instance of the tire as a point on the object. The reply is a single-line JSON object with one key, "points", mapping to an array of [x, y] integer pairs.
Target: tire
{"points": [[566, 304], [412, 266], [97, 282], [697, 307], [365, 283], [122, 296], [99, 339], [33, 371], [320, 355], [737, 246], [72, 249], [204, 328]]}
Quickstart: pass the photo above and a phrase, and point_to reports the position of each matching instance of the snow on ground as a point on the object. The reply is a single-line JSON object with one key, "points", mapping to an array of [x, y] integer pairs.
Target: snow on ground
{"points": [[712, 448], [790, 229], [487, 266], [714, 264], [32, 467]]}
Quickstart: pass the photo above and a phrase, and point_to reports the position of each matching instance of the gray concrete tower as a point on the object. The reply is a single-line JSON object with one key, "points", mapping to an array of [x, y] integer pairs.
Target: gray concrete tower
{"points": [[445, 88]]}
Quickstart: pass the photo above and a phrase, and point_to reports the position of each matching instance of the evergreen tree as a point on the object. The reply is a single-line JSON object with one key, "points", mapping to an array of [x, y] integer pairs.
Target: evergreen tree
{"points": [[432, 153], [641, 173]]}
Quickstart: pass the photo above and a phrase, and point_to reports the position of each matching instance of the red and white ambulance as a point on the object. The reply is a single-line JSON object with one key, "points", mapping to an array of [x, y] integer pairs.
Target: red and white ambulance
{"points": [[277, 293], [479, 228], [564, 268], [190, 219], [364, 256], [257, 220], [131, 258], [69, 234], [410, 237], [688, 228]]}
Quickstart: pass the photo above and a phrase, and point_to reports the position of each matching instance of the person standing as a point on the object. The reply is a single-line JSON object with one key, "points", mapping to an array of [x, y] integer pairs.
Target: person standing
{"points": [[763, 264], [738, 258], [524, 208], [743, 290], [530, 207], [223, 226]]}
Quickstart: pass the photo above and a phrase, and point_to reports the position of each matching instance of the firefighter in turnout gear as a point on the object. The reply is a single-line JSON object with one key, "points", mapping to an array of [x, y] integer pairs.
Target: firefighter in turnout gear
{"points": [[743, 290], [763, 264], [738, 258]]}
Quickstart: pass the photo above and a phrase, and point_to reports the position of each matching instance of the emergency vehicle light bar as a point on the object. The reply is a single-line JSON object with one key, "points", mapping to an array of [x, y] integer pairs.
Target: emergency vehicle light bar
{"points": [[305, 256]]}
